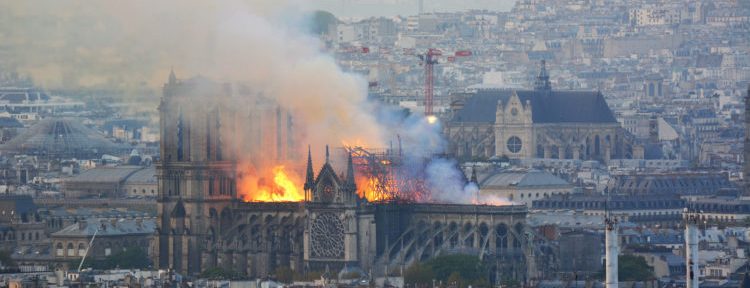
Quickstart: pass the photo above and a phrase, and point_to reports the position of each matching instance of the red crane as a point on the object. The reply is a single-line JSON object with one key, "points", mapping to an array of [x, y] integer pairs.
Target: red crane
{"points": [[429, 60]]}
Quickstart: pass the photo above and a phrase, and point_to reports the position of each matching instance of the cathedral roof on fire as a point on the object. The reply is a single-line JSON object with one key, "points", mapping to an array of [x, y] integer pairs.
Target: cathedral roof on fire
{"points": [[546, 106]]}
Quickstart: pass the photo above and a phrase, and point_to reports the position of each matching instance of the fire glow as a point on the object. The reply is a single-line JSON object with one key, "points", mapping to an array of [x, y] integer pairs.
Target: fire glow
{"points": [[278, 186], [367, 188], [380, 176]]}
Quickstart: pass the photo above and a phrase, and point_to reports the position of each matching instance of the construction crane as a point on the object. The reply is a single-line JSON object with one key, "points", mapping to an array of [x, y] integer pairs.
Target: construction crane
{"points": [[429, 60], [91, 242]]}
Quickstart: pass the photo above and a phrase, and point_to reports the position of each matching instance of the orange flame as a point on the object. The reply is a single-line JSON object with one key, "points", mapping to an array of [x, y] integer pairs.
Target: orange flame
{"points": [[284, 187], [370, 188]]}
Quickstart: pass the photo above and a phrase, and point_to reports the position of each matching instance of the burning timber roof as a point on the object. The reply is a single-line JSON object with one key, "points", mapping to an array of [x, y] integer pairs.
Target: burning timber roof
{"points": [[546, 106], [62, 137]]}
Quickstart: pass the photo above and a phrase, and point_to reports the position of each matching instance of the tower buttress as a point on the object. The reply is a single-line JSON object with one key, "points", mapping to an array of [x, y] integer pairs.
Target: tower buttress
{"points": [[310, 177], [350, 185], [542, 80]]}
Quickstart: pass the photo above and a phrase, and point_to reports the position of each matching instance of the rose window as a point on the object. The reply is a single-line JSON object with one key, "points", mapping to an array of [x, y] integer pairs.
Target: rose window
{"points": [[327, 233]]}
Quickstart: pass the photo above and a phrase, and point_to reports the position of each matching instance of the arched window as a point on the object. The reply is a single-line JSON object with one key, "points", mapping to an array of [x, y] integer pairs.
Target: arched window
{"points": [[81, 249], [59, 250], [501, 237], [71, 250]]}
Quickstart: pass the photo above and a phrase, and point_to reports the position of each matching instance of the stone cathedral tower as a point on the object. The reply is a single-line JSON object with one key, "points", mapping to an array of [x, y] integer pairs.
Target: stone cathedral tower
{"points": [[196, 174]]}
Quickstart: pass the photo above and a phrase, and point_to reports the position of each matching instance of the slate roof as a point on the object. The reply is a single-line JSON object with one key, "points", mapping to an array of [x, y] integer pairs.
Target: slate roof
{"points": [[95, 213], [105, 227], [520, 178], [708, 61], [8, 122], [106, 174], [22, 203], [547, 107], [61, 136], [19, 95], [143, 176], [669, 184]]}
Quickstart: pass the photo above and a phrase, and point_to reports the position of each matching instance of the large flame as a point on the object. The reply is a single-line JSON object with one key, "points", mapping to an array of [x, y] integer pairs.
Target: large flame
{"points": [[278, 186], [372, 189]]}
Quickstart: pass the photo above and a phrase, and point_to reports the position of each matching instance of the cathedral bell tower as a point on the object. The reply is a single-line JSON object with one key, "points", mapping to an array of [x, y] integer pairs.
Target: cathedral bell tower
{"points": [[196, 181], [331, 231]]}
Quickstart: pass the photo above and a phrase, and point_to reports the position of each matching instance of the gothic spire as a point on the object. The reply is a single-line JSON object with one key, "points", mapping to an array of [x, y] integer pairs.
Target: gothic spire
{"points": [[172, 77], [310, 178], [328, 155], [350, 183], [542, 80]]}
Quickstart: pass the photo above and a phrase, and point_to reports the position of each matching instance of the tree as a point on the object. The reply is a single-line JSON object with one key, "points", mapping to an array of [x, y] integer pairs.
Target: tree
{"points": [[455, 280], [284, 274], [463, 269], [418, 275], [6, 260], [634, 268], [132, 258], [219, 273], [320, 20]]}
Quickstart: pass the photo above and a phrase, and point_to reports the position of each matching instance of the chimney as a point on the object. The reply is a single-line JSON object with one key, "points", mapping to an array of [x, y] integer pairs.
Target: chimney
{"points": [[139, 222], [113, 221], [82, 224]]}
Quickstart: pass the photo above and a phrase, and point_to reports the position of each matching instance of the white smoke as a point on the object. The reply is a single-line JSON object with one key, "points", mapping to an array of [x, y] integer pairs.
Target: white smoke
{"points": [[262, 44], [448, 184]]}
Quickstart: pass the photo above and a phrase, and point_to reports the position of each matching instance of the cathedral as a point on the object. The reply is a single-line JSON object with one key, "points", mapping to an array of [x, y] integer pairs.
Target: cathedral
{"points": [[538, 123], [203, 224]]}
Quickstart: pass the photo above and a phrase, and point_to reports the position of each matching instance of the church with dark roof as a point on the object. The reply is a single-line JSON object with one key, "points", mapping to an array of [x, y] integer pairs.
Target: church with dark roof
{"points": [[538, 123]]}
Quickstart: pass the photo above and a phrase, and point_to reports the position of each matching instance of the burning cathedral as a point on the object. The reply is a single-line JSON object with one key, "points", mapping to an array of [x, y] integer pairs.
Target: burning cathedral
{"points": [[206, 222]]}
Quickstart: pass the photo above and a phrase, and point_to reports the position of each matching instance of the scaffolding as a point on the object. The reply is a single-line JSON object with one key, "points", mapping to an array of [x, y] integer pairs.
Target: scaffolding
{"points": [[388, 177]]}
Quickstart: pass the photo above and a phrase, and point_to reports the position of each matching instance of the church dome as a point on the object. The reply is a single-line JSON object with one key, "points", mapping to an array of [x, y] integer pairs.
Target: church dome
{"points": [[61, 137]]}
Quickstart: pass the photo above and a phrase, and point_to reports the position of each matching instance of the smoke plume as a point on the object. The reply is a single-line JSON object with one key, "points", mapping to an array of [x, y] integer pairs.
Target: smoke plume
{"points": [[263, 45]]}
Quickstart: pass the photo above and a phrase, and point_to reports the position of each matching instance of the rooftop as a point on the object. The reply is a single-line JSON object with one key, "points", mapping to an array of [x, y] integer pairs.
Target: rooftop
{"points": [[521, 178], [546, 106], [106, 227]]}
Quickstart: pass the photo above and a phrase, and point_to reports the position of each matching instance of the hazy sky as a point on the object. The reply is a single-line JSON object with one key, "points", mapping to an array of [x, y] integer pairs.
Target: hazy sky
{"points": [[366, 8]]}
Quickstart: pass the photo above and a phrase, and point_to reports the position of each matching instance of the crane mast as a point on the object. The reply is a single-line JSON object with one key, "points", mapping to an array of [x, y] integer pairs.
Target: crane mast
{"points": [[429, 60]]}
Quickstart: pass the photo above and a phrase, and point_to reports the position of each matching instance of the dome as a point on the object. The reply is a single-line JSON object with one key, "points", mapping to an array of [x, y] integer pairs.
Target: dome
{"points": [[61, 137]]}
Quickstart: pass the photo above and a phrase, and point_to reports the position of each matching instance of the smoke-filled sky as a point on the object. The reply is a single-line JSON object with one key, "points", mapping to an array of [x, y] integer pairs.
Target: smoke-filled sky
{"points": [[90, 43], [368, 8], [85, 43], [258, 43]]}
